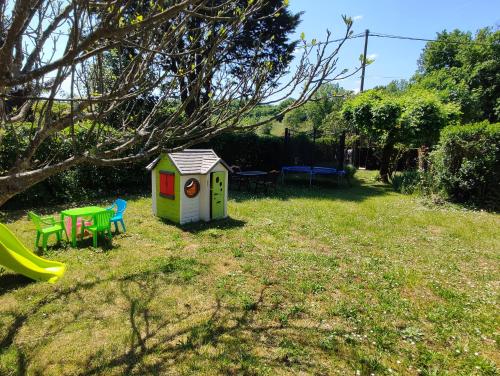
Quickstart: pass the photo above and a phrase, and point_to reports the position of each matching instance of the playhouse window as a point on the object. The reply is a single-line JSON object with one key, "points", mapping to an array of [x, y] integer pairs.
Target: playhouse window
{"points": [[167, 184], [191, 188]]}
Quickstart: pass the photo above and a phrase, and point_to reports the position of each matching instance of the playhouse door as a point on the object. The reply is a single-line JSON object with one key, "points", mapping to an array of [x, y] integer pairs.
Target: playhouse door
{"points": [[217, 190]]}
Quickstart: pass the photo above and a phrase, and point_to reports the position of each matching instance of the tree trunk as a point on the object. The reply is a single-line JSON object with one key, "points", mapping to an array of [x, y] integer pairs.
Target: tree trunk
{"points": [[5, 196], [18, 182], [355, 153], [341, 152], [385, 161], [423, 154]]}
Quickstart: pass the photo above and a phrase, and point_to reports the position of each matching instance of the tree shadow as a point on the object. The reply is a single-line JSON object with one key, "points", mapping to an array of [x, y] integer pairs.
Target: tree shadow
{"points": [[10, 282], [156, 344], [8, 215], [156, 340], [152, 337]]}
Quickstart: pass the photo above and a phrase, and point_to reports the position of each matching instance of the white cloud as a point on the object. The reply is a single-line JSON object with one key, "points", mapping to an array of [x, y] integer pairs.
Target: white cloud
{"points": [[357, 18], [372, 56]]}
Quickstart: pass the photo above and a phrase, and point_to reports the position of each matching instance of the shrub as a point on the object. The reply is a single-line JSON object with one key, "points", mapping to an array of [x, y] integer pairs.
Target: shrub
{"points": [[350, 170], [406, 181], [414, 181], [466, 164], [267, 152], [79, 183]]}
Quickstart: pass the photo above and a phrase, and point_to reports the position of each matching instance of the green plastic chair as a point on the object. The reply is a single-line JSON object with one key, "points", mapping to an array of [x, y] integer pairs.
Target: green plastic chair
{"points": [[100, 224], [46, 226]]}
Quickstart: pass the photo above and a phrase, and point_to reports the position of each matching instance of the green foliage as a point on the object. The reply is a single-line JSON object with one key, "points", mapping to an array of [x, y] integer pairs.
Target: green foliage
{"points": [[413, 117], [295, 118], [375, 114], [81, 182], [466, 164], [389, 119], [414, 182], [465, 70], [406, 182], [446, 53], [350, 171], [372, 112], [321, 113], [267, 128], [424, 115], [326, 102]]}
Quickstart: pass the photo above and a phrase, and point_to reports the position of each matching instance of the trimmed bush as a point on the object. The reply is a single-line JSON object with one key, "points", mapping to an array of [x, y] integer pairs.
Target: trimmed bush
{"points": [[466, 164]]}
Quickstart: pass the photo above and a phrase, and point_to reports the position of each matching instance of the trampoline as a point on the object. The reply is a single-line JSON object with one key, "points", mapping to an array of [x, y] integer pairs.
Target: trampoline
{"points": [[311, 171]]}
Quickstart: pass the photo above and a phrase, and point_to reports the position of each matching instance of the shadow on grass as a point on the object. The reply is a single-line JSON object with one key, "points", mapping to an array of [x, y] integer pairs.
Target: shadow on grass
{"points": [[156, 341], [357, 190], [197, 227], [229, 333], [103, 244], [9, 282], [8, 215]]}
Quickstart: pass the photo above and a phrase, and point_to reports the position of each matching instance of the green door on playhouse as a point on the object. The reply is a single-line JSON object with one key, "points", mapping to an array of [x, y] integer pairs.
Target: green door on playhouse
{"points": [[218, 194]]}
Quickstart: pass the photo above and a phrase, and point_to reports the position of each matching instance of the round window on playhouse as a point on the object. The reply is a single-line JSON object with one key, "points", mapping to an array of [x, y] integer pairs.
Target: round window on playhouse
{"points": [[192, 188]]}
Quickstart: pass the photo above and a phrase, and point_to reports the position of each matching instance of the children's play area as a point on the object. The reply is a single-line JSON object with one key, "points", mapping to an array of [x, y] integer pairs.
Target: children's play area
{"points": [[187, 186], [269, 277], [73, 224]]}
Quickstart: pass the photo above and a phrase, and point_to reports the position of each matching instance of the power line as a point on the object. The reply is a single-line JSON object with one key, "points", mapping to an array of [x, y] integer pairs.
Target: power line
{"points": [[390, 36], [360, 35], [402, 37]]}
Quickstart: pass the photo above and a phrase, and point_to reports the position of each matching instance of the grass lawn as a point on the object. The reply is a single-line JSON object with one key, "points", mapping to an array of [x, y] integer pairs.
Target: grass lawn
{"points": [[329, 280]]}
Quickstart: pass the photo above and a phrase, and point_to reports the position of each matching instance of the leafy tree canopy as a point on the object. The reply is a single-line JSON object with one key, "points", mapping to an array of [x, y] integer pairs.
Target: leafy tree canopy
{"points": [[321, 112], [466, 70], [413, 119]]}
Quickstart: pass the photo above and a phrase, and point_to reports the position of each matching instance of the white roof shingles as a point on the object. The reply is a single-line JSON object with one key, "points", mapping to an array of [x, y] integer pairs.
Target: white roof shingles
{"points": [[192, 161]]}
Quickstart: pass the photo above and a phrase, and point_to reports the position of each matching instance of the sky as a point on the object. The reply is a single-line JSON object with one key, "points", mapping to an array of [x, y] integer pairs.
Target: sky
{"points": [[394, 59]]}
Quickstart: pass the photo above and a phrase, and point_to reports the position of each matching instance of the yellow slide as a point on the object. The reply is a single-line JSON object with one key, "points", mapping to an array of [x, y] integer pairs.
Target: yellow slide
{"points": [[16, 257]]}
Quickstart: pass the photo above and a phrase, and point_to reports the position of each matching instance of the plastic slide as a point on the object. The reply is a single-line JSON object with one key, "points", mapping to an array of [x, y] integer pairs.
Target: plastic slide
{"points": [[16, 257]]}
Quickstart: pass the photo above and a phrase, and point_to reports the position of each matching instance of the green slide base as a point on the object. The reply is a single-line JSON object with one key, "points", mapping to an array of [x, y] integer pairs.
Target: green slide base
{"points": [[16, 257]]}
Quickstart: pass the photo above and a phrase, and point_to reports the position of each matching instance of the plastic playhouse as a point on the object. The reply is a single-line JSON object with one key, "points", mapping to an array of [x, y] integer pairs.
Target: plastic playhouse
{"points": [[189, 186]]}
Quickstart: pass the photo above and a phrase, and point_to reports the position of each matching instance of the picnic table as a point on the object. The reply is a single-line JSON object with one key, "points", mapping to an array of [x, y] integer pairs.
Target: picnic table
{"points": [[74, 214]]}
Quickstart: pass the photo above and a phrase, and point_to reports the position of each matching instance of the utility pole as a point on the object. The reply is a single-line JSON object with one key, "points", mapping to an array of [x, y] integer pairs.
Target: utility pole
{"points": [[355, 152], [367, 33]]}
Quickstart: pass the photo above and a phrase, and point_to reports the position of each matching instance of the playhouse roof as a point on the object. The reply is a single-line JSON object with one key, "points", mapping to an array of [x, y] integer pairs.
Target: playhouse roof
{"points": [[192, 161]]}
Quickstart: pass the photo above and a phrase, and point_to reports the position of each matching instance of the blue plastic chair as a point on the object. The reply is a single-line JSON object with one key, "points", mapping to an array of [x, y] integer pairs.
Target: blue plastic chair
{"points": [[120, 205]]}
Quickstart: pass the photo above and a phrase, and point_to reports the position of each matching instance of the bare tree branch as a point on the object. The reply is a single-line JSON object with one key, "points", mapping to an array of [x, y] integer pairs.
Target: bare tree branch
{"points": [[175, 59]]}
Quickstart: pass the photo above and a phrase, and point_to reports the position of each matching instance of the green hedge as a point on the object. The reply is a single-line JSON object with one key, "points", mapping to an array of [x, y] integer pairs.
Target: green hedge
{"points": [[266, 152], [248, 150], [466, 164], [79, 183]]}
